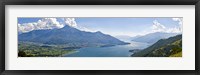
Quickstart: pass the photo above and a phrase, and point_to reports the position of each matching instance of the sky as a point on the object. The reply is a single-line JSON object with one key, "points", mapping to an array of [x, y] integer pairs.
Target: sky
{"points": [[115, 26]]}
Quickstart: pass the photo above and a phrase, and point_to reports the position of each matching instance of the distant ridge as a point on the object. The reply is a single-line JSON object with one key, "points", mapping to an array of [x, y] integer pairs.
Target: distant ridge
{"points": [[153, 37]]}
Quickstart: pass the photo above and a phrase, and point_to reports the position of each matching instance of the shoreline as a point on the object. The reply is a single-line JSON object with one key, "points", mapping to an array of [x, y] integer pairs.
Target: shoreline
{"points": [[65, 55]]}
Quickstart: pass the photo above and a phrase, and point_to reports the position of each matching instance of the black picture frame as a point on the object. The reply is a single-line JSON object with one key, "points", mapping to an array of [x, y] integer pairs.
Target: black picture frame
{"points": [[99, 2]]}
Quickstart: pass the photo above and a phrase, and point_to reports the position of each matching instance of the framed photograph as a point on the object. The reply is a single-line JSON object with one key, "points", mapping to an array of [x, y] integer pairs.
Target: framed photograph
{"points": [[59, 37]]}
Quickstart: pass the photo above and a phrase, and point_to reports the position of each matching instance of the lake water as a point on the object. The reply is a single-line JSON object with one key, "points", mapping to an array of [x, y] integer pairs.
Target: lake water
{"points": [[113, 51]]}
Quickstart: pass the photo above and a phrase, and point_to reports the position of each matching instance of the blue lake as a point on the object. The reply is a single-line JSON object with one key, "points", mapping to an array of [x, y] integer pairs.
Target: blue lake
{"points": [[113, 51]]}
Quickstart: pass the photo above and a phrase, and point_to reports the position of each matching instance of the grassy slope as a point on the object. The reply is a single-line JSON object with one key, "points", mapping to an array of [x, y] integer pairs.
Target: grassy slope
{"points": [[32, 50], [162, 48], [179, 54]]}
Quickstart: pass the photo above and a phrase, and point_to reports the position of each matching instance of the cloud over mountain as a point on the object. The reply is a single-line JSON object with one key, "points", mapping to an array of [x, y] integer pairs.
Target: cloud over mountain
{"points": [[44, 23], [50, 23], [71, 22], [158, 27]]}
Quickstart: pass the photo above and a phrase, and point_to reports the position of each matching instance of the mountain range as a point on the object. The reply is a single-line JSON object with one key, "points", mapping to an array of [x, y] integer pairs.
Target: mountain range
{"points": [[153, 37], [70, 37]]}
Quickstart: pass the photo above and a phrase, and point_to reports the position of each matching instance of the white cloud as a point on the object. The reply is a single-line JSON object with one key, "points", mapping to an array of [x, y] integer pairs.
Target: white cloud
{"points": [[45, 23], [158, 27], [50, 23], [71, 22], [180, 22], [173, 30]]}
